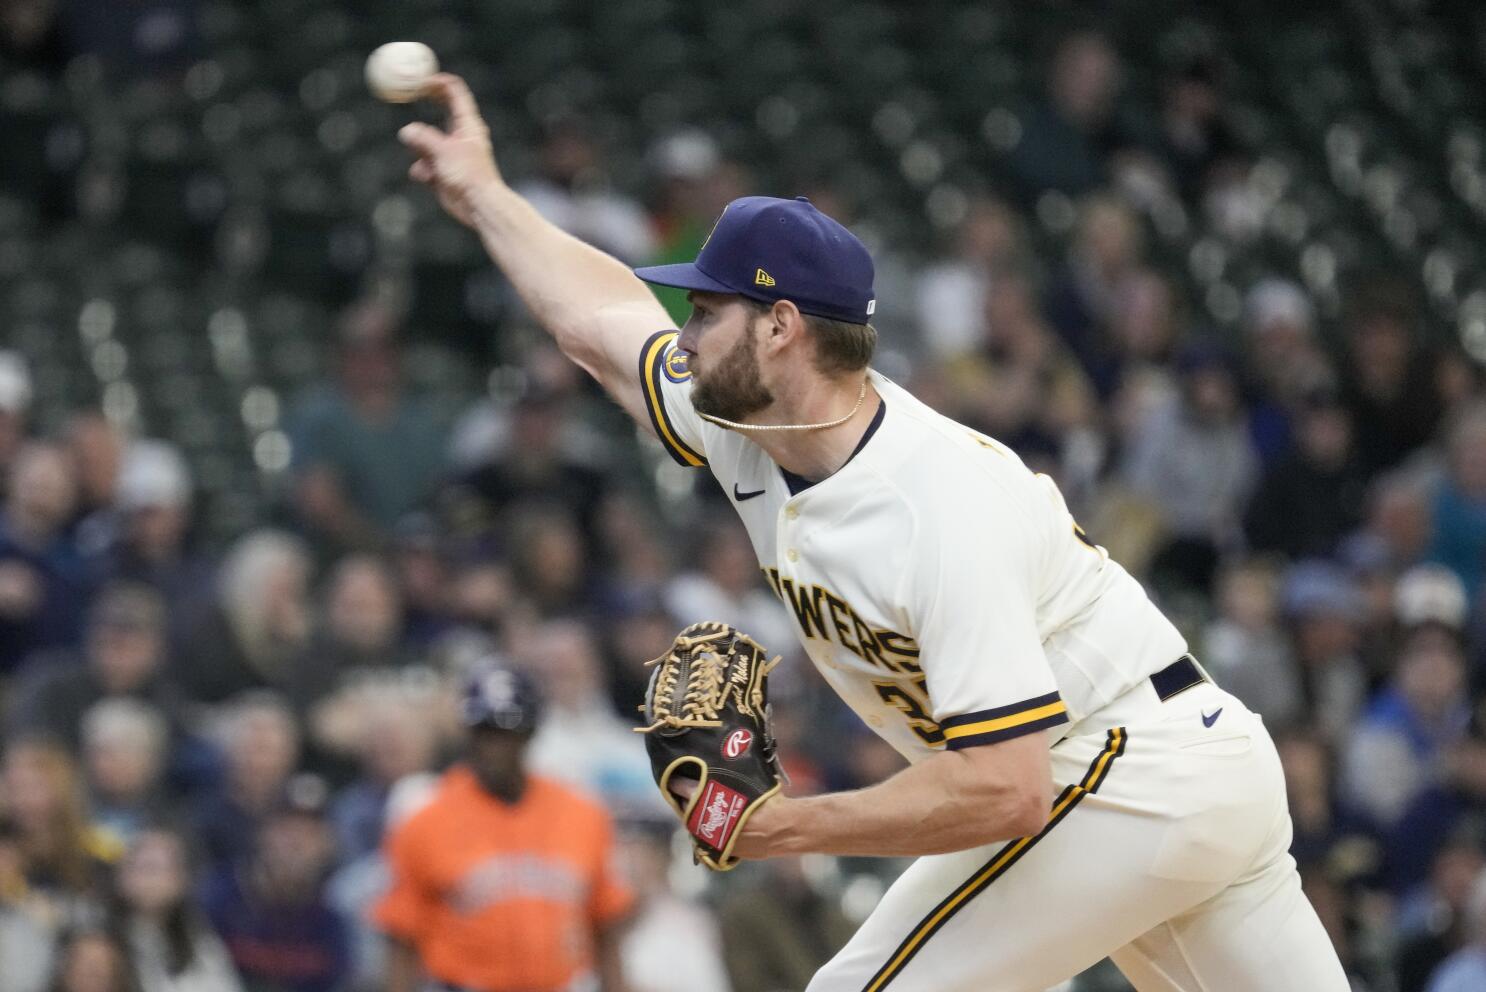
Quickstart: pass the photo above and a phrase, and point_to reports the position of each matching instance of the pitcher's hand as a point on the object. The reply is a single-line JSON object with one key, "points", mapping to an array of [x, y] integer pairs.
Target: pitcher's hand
{"points": [[456, 164]]}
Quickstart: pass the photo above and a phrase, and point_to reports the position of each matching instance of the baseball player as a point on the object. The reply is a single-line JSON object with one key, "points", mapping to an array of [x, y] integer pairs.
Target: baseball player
{"points": [[1078, 787], [505, 881]]}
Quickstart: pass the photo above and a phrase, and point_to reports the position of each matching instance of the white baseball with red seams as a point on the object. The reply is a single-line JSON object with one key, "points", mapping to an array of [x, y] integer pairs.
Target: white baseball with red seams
{"points": [[398, 72]]}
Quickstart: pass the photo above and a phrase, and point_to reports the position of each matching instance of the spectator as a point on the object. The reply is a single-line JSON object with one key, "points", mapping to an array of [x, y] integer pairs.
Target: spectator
{"points": [[28, 928], [1459, 380], [1245, 647], [1333, 838], [171, 947], [153, 502], [360, 634], [953, 293], [41, 574], [1021, 384], [1429, 606], [365, 452], [258, 629], [1284, 362], [398, 738], [581, 739], [1397, 749], [96, 447], [1379, 632], [863, 759], [1460, 504], [727, 587], [638, 637], [572, 192], [1311, 498], [1337, 849], [1107, 250], [1193, 458], [123, 658], [1146, 329], [124, 751], [1323, 608], [1195, 135], [482, 595], [93, 960], [637, 556], [672, 943], [422, 565], [1431, 595], [533, 466], [363, 882], [696, 182], [1432, 921], [261, 743], [1465, 969], [1400, 518], [778, 930], [1070, 136], [66, 861], [1388, 380], [271, 909], [551, 561], [505, 879]]}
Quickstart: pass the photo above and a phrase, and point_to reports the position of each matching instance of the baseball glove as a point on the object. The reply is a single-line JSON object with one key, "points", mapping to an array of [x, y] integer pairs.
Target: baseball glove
{"points": [[707, 715]]}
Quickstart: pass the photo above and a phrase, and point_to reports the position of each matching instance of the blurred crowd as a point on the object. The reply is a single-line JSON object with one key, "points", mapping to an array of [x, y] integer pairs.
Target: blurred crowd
{"points": [[205, 747]]}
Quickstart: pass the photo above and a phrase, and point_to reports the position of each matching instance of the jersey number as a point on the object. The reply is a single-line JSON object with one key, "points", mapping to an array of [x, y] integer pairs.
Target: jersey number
{"points": [[896, 695]]}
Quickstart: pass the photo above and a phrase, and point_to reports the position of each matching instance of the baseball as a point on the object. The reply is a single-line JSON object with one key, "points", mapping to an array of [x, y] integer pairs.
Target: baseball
{"points": [[398, 72]]}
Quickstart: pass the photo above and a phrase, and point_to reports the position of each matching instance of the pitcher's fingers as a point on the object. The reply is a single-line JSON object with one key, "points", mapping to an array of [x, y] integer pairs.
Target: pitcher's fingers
{"points": [[454, 93], [421, 138], [421, 171]]}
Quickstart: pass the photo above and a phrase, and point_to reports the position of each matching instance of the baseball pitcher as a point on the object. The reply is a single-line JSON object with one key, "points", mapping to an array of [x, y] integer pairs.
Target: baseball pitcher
{"points": [[1078, 786]]}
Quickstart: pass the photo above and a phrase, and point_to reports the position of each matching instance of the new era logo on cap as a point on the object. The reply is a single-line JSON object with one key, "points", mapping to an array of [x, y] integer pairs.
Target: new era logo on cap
{"points": [[771, 249]]}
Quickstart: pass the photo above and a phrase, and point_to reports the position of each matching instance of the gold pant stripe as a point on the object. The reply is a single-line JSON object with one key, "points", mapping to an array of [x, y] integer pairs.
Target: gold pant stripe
{"points": [[1114, 746]]}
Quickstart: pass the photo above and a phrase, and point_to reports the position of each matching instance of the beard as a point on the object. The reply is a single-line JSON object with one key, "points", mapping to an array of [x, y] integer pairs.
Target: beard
{"points": [[732, 389]]}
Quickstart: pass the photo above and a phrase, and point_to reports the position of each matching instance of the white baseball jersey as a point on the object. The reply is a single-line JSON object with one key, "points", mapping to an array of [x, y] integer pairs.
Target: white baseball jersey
{"points": [[940, 587], [947, 595]]}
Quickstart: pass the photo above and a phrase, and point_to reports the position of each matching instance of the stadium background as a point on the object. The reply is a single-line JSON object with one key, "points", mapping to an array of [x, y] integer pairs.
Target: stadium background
{"points": [[281, 455]]}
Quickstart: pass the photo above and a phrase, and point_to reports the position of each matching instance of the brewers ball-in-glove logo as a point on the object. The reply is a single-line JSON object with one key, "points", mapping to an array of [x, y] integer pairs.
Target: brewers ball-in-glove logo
{"points": [[675, 366], [707, 715]]}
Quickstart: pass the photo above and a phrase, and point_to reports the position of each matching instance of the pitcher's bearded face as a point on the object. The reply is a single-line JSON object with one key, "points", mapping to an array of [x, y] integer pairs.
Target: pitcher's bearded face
{"points": [[730, 386]]}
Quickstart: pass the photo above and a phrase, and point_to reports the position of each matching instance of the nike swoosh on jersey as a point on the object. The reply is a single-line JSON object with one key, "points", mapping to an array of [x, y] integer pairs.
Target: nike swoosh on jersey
{"points": [[740, 497], [1208, 721]]}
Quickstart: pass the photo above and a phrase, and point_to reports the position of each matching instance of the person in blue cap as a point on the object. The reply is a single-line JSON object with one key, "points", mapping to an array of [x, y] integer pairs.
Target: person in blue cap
{"points": [[1078, 787]]}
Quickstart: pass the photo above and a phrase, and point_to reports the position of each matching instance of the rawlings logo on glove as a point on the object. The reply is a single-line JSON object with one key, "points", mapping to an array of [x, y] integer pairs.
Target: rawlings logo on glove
{"points": [[707, 697]]}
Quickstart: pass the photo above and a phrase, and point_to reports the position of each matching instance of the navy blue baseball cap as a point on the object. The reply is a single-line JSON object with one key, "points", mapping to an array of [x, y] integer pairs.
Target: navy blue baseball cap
{"points": [[500, 698], [770, 249]]}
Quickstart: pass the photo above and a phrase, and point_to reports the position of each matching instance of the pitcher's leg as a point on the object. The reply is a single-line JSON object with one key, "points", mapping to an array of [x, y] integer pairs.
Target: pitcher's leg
{"points": [[1258, 934], [1023, 916]]}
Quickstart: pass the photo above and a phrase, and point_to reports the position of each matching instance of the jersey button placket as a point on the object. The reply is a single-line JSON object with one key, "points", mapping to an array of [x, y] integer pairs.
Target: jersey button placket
{"points": [[787, 517]]}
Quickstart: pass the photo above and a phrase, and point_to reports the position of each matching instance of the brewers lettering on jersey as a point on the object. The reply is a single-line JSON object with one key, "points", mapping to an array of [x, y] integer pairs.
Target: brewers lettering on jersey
{"points": [[1078, 787]]}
